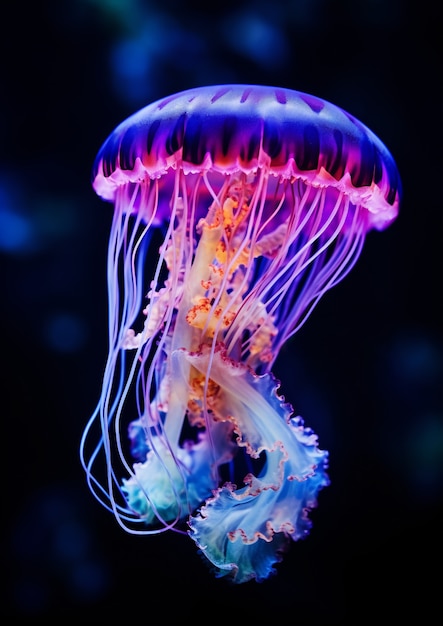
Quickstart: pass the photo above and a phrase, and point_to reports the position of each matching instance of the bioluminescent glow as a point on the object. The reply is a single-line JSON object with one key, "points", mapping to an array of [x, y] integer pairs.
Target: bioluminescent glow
{"points": [[236, 207]]}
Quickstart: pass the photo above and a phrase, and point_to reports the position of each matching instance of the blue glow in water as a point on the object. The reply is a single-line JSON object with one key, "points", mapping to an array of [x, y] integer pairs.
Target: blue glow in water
{"points": [[31, 223], [131, 61], [416, 359], [71, 540], [88, 579], [423, 455], [256, 38], [16, 231], [65, 332]]}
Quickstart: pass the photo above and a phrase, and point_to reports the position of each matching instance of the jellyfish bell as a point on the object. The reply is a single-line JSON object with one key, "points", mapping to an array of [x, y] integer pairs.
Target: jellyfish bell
{"points": [[241, 128], [236, 207]]}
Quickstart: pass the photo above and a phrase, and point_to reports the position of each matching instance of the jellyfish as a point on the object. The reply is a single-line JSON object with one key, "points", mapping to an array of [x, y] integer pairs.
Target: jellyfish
{"points": [[236, 207]]}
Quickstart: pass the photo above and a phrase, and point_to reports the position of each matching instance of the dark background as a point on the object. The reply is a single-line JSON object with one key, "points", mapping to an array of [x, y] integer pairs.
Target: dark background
{"points": [[365, 371]]}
